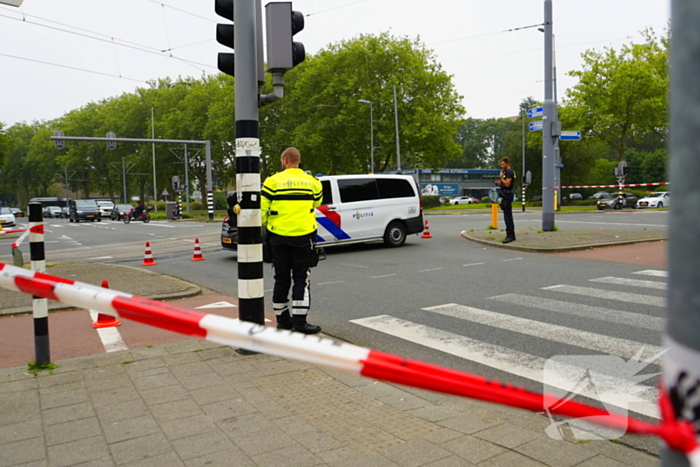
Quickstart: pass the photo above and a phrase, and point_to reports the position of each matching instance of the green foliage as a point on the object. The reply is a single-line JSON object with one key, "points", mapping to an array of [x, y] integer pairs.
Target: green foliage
{"points": [[196, 206], [35, 368], [430, 202], [220, 203]]}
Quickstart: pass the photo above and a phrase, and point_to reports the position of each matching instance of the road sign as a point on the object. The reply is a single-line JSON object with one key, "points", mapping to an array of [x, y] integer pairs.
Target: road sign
{"points": [[536, 112], [111, 144], [165, 192], [536, 125], [570, 136], [60, 144]]}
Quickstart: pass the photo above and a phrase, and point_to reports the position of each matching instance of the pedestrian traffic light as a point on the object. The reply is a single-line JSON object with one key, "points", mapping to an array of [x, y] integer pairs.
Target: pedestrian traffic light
{"points": [[283, 53], [224, 35]]}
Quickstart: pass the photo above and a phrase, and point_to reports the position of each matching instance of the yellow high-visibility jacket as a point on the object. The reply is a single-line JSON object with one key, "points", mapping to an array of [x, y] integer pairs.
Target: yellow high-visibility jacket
{"points": [[288, 202]]}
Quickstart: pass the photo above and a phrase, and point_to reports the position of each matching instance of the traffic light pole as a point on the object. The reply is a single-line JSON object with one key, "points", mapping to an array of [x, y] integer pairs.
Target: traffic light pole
{"points": [[681, 363], [251, 298], [549, 127]]}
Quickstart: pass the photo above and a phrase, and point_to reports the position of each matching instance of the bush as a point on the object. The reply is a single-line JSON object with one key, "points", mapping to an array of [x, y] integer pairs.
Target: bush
{"points": [[220, 203], [430, 202], [485, 200], [196, 206]]}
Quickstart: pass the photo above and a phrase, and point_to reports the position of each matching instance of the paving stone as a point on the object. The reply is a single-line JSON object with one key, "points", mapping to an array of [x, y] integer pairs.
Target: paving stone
{"points": [[161, 396], [208, 395], [202, 444], [98, 375], [393, 396], [163, 380], [227, 367], [623, 453], [442, 435], [415, 453], [257, 443], [347, 457], [68, 387], [472, 449], [46, 380], [20, 452], [554, 452], [140, 449], [191, 369], [19, 431], [188, 426], [201, 381], [245, 425], [508, 435], [316, 441], [467, 423], [293, 425], [77, 452], [228, 409], [122, 430], [181, 359], [601, 461], [434, 413], [294, 456], [452, 461], [176, 409], [121, 411], [509, 459], [72, 431], [67, 413], [108, 382], [114, 395], [169, 459], [230, 457], [19, 413]]}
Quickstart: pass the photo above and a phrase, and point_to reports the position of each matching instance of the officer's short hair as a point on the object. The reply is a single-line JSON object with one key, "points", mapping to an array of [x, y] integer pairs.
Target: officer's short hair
{"points": [[506, 160], [292, 155]]}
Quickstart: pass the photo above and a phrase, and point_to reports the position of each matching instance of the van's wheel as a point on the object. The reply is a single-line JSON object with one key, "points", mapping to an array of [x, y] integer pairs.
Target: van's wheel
{"points": [[395, 234]]}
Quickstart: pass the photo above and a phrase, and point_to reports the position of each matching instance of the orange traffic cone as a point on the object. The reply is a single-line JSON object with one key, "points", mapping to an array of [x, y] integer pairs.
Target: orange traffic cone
{"points": [[148, 257], [105, 321], [426, 231], [197, 252]]}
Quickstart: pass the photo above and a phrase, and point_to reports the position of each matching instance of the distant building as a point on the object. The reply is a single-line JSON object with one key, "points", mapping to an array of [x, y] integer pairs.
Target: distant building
{"points": [[454, 182]]}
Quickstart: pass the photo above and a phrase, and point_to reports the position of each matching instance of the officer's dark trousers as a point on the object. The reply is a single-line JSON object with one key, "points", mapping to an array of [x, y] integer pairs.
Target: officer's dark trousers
{"points": [[290, 256], [507, 208]]}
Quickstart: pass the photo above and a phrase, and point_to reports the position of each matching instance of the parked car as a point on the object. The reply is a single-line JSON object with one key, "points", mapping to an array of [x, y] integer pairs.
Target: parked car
{"points": [[119, 211], [462, 200], [84, 210], [601, 195], [475, 200], [106, 208], [53, 212], [621, 200], [659, 199], [575, 196], [7, 219], [537, 198], [17, 212]]}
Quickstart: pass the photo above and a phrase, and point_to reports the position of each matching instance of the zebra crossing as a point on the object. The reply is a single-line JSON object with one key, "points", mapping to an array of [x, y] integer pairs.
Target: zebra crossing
{"points": [[624, 388]]}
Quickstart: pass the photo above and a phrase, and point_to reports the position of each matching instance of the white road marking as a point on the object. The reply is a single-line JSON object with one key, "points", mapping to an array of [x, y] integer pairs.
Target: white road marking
{"points": [[334, 282], [603, 314], [652, 272], [217, 305], [472, 264], [511, 361], [631, 282], [385, 275], [609, 295], [429, 270], [101, 257], [111, 337], [354, 265], [512, 259], [587, 340]]}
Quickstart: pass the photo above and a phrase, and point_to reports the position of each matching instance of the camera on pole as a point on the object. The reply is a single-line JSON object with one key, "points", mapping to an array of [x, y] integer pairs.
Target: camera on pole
{"points": [[60, 143], [283, 23]]}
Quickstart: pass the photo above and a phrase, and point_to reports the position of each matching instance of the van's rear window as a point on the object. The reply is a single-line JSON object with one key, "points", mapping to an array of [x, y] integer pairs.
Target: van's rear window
{"points": [[395, 188]]}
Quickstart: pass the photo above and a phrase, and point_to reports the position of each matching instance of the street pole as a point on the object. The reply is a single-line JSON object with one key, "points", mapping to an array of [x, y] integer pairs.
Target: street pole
{"points": [[548, 127], [187, 180], [124, 197], [153, 136], [398, 143], [522, 171], [251, 298], [557, 154], [371, 132], [681, 363]]}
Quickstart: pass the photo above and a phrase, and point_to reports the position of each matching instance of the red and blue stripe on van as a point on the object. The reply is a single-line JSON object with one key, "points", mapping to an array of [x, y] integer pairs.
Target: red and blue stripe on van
{"points": [[331, 222]]}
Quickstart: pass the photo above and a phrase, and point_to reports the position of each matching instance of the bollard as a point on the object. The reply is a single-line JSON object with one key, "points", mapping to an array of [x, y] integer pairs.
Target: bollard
{"points": [[494, 215], [40, 306]]}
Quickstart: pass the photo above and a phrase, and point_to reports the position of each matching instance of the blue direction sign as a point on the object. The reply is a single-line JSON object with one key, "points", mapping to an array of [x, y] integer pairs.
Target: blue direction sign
{"points": [[570, 135], [537, 112], [536, 125]]}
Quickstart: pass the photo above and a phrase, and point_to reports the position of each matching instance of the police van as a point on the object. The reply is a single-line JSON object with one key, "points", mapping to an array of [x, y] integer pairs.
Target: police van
{"points": [[357, 209]]}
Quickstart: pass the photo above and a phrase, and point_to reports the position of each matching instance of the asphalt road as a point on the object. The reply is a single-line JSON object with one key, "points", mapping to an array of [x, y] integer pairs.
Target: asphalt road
{"points": [[445, 300]]}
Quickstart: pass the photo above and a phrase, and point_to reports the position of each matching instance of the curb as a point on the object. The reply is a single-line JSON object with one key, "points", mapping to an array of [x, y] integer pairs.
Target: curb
{"points": [[561, 249]]}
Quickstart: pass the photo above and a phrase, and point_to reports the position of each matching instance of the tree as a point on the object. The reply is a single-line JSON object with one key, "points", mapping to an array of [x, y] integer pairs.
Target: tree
{"points": [[622, 95]]}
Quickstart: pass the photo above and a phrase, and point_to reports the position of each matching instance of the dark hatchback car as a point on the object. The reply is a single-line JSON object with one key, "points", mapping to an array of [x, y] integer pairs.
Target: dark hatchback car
{"points": [[84, 210], [119, 211], [618, 201], [17, 212]]}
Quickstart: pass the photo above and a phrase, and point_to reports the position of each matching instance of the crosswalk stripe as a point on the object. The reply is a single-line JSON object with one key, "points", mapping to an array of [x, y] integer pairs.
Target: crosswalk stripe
{"points": [[585, 311], [652, 272], [631, 282], [512, 361], [587, 340], [609, 295]]}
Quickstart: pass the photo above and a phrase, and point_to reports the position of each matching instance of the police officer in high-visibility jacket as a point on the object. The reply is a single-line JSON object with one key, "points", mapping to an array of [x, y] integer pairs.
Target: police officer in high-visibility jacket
{"points": [[287, 206]]}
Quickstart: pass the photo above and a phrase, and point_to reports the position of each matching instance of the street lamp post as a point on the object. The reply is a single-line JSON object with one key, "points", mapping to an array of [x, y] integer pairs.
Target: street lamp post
{"points": [[371, 132]]}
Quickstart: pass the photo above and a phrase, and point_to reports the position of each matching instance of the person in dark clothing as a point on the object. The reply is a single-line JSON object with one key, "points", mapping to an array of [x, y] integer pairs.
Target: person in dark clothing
{"points": [[507, 183]]}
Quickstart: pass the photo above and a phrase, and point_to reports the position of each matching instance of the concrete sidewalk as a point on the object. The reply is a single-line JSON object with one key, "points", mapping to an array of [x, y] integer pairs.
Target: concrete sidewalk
{"points": [[194, 403]]}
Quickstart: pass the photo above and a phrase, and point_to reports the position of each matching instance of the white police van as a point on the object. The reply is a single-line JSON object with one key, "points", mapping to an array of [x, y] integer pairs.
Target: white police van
{"points": [[366, 208], [356, 209]]}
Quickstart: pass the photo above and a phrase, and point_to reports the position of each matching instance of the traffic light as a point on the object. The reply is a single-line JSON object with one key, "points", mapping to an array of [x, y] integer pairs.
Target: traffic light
{"points": [[282, 24], [224, 35]]}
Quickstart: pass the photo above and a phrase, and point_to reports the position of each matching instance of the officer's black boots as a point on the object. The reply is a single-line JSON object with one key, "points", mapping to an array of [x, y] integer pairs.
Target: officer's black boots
{"points": [[508, 239], [284, 321], [299, 324]]}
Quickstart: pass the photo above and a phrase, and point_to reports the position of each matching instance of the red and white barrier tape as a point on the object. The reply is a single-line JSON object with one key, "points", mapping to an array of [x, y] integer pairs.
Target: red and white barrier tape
{"points": [[608, 186], [33, 229], [679, 435]]}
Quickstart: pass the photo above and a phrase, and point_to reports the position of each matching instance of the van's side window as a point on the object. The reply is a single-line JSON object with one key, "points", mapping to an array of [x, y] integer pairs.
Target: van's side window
{"points": [[327, 193], [358, 189], [395, 188]]}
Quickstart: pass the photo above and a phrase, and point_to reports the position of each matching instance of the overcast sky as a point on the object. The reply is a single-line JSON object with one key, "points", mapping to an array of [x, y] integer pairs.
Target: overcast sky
{"points": [[115, 46]]}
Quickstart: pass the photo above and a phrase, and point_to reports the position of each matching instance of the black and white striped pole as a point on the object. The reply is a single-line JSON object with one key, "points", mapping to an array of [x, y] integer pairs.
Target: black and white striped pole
{"points": [[40, 306]]}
